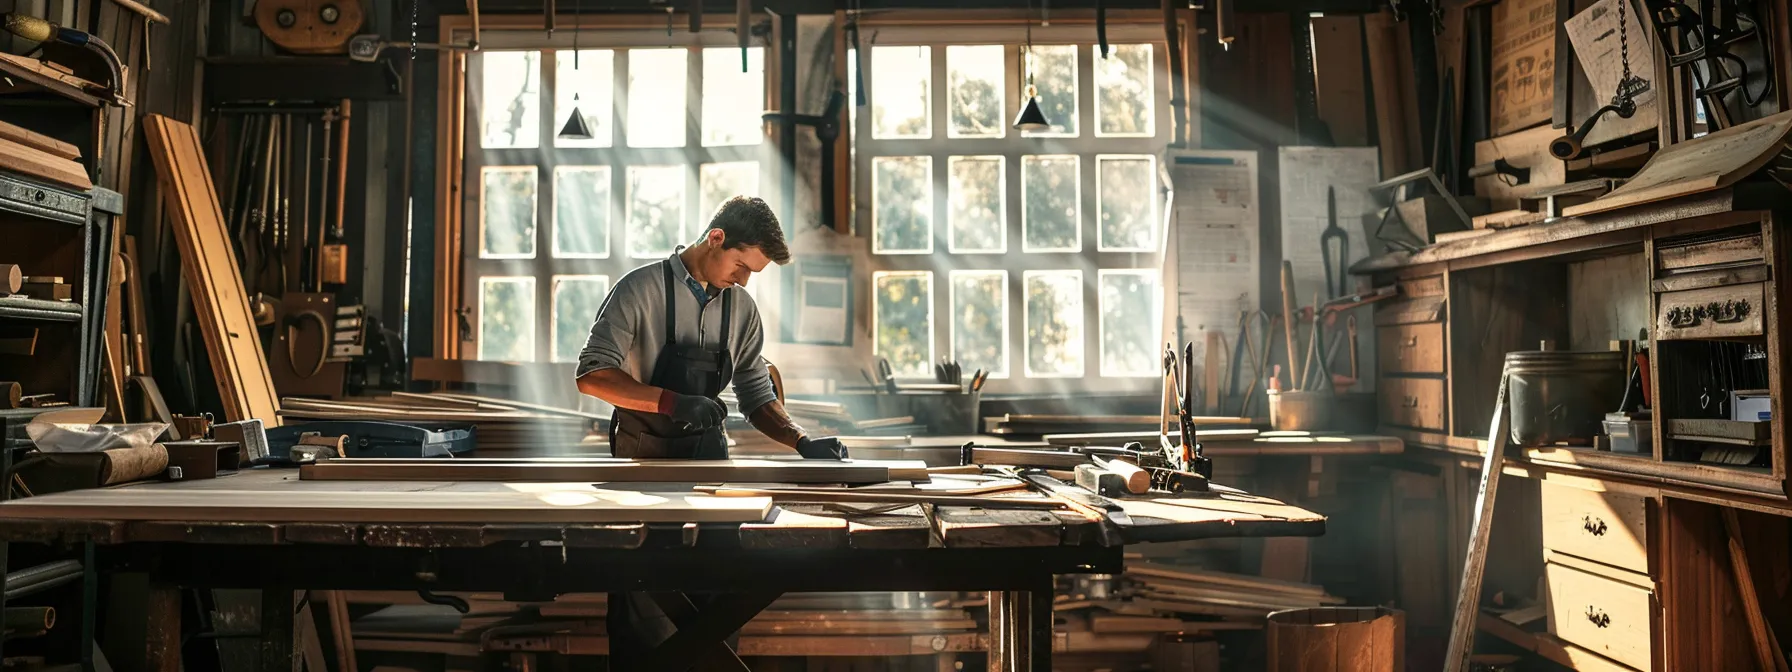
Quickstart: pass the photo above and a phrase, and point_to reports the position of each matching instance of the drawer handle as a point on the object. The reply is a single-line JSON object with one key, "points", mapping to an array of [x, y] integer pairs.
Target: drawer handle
{"points": [[1410, 401], [1599, 618], [1593, 526], [1729, 311]]}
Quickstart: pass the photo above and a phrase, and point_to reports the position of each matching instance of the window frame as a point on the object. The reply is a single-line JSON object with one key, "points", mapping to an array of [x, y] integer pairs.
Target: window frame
{"points": [[1011, 147], [545, 265]]}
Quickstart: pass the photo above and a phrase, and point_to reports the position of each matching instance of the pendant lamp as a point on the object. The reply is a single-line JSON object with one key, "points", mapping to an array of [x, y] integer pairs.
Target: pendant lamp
{"points": [[575, 128], [1031, 118]]}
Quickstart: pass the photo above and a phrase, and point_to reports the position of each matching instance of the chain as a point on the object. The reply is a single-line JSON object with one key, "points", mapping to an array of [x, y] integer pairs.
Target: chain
{"points": [[1623, 43], [414, 29]]}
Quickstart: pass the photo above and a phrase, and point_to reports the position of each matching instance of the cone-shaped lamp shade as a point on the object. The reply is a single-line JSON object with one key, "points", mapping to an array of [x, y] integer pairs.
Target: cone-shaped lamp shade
{"points": [[575, 128], [1031, 118]]}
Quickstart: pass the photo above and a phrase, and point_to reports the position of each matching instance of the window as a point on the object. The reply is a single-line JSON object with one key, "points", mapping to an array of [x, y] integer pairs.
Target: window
{"points": [[560, 218], [1047, 241]]}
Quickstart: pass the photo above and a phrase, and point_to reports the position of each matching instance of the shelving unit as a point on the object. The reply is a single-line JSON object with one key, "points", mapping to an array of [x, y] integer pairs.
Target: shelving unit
{"points": [[54, 231]]}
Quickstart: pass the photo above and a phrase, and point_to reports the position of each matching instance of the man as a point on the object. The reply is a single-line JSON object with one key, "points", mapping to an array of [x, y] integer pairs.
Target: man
{"points": [[673, 333], [687, 327]]}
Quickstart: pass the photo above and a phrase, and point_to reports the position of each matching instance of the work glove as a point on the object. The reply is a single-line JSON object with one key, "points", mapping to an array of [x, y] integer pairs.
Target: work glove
{"points": [[693, 412], [825, 448]]}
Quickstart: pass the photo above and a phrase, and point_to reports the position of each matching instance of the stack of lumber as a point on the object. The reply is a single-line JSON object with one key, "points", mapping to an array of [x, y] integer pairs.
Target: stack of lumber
{"points": [[1168, 598], [504, 428]]}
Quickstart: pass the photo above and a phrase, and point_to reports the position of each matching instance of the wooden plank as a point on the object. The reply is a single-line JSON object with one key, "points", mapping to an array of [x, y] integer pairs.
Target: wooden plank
{"points": [[40, 142], [906, 527], [36, 163], [1766, 645], [210, 268], [963, 527], [788, 528], [642, 471], [154, 502], [1341, 81], [1702, 164], [855, 628], [35, 73]]}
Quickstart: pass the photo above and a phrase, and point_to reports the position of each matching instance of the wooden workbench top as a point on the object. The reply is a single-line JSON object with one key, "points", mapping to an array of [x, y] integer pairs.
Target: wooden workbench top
{"points": [[266, 507]]}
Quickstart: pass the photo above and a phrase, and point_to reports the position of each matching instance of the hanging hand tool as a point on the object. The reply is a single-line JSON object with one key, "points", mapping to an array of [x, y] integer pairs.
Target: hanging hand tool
{"points": [[333, 267], [1350, 328], [1246, 350], [38, 30], [1288, 323], [1333, 232]]}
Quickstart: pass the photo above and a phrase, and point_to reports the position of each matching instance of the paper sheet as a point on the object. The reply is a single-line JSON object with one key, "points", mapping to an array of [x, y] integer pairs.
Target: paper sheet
{"points": [[1594, 34], [1217, 227]]}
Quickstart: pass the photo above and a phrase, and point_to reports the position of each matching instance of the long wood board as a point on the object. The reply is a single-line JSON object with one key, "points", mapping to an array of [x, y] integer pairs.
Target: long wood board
{"points": [[1711, 162], [219, 299], [320, 506], [616, 470]]}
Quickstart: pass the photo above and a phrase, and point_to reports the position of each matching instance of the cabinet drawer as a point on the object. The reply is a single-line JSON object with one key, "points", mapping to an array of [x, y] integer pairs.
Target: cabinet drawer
{"points": [[1602, 615], [1411, 348], [1607, 527], [1413, 402], [1717, 312]]}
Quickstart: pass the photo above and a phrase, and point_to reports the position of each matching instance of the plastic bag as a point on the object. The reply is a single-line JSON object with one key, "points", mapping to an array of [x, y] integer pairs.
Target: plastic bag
{"points": [[72, 438]]}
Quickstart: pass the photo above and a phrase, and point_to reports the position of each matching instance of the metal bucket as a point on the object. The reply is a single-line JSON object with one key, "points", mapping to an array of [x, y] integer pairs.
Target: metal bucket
{"points": [[1561, 396], [1297, 411]]}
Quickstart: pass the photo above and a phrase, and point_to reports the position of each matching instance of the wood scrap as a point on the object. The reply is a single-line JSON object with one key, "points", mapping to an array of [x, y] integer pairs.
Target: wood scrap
{"points": [[210, 268], [11, 276], [39, 142], [36, 163], [1713, 161]]}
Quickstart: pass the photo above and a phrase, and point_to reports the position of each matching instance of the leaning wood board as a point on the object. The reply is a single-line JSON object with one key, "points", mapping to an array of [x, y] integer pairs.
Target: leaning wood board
{"points": [[616, 470], [1711, 162], [211, 271], [314, 506]]}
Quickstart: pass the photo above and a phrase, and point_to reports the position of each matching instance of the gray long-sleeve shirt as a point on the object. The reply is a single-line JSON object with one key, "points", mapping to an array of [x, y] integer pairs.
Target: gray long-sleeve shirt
{"points": [[630, 330]]}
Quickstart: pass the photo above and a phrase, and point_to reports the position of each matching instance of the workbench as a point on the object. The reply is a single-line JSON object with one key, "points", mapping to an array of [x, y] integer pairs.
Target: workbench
{"points": [[1011, 553]]}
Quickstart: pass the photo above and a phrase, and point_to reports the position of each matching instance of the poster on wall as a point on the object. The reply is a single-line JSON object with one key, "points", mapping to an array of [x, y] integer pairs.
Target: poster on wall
{"points": [[1217, 227], [1524, 64]]}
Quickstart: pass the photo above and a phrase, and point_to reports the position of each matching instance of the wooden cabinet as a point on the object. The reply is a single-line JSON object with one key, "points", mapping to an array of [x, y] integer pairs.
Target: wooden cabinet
{"points": [[1411, 348], [1411, 354], [1413, 402]]}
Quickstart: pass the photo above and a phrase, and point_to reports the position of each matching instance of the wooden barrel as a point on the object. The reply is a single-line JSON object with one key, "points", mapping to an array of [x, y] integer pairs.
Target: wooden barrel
{"points": [[1337, 639]]}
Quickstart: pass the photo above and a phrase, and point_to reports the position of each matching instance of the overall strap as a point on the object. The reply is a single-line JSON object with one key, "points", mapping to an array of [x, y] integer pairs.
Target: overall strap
{"points": [[727, 319], [671, 304]]}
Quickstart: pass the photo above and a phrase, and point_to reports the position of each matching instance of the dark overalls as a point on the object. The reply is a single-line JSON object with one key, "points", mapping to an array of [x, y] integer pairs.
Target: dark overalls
{"points": [[636, 624]]}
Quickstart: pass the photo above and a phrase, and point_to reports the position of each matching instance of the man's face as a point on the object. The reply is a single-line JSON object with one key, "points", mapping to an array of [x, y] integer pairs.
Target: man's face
{"points": [[732, 268]]}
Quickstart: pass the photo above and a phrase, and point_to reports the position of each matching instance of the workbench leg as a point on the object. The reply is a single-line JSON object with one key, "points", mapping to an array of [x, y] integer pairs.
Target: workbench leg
{"points": [[276, 630], [162, 635], [1043, 624], [998, 631]]}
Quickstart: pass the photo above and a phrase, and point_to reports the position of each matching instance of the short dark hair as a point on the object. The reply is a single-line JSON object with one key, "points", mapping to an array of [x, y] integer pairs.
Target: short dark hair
{"points": [[747, 221]]}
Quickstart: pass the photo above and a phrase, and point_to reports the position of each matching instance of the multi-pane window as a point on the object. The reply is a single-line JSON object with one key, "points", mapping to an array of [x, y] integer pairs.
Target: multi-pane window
{"points": [[1045, 244], [560, 218]]}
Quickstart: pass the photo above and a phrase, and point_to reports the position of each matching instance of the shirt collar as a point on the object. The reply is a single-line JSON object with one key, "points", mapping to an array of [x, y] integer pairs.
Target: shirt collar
{"points": [[684, 275]]}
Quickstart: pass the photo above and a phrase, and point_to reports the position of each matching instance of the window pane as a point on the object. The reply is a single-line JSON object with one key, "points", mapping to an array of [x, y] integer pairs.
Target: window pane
{"points": [[1051, 193], [980, 321], [1127, 196], [902, 196], [656, 83], [738, 97], [1123, 91], [594, 82], [978, 216], [1129, 323], [901, 88], [655, 210], [577, 299], [1054, 77], [510, 105], [507, 319], [507, 212], [718, 182], [975, 90], [582, 211], [1054, 324], [904, 321]]}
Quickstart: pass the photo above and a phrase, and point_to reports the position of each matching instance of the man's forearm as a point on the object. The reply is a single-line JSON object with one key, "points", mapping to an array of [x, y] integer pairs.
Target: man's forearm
{"points": [[771, 420], [621, 390]]}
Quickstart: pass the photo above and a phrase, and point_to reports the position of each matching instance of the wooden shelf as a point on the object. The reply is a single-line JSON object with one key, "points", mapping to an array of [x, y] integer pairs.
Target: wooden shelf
{"points": [[1570, 235], [31, 75]]}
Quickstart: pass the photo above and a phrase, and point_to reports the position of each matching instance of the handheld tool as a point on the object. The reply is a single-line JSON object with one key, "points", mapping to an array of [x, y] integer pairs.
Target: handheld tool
{"points": [[1246, 351], [886, 376], [978, 379], [1288, 323], [38, 30], [1333, 232]]}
